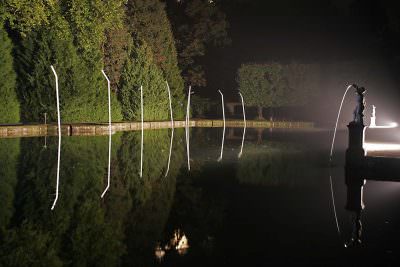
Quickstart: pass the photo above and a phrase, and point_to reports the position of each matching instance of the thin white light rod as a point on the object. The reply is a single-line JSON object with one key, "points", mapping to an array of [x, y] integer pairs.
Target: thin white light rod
{"points": [[187, 128], [59, 138], [109, 135], [223, 133], [244, 127], [141, 143], [172, 128]]}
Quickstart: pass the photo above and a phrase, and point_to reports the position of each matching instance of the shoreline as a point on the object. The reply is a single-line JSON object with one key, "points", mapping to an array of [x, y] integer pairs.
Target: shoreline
{"points": [[88, 129]]}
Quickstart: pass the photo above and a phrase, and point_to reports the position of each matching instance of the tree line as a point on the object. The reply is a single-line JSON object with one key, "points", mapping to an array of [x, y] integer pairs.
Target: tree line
{"points": [[275, 85], [136, 42]]}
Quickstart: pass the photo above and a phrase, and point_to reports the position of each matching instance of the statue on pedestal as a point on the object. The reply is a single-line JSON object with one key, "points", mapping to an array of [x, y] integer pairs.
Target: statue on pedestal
{"points": [[373, 118], [358, 112]]}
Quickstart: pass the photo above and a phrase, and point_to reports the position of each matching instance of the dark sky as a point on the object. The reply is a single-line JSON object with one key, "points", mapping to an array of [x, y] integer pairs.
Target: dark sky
{"points": [[301, 30], [304, 31]]}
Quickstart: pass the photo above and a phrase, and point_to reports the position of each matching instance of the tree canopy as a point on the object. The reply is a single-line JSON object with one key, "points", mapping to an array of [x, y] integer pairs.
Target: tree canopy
{"points": [[80, 38], [9, 107], [263, 85]]}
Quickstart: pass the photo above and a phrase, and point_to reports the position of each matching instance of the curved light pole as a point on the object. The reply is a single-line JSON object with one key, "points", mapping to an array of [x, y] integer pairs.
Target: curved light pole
{"points": [[109, 134], [141, 142], [223, 133], [187, 127], [59, 138], [172, 128], [244, 127]]}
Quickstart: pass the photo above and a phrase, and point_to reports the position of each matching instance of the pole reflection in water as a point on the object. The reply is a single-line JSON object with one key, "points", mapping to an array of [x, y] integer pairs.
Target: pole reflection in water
{"points": [[172, 129], [141, 142], [59, 138], [187, 128], [244, 126], [109, 135], [223, 133]]}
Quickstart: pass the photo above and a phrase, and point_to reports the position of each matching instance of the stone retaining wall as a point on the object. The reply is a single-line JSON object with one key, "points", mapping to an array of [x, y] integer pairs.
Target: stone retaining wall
{"points": [[30, 130]]}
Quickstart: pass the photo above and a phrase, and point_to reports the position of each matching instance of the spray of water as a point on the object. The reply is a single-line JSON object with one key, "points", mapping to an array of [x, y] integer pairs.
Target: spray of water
{"points": [[337, 121]]}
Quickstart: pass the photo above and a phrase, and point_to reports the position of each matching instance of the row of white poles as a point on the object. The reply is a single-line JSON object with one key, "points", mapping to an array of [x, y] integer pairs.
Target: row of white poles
{"points": [[187, 123]]}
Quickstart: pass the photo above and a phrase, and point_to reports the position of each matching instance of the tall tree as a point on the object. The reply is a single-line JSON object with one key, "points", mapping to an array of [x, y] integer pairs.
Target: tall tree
{"points": [[26, 15], [196, 25], [9, 107], [148, 21], [79, 101], [115, 54], [140, 70], [263, 86]]}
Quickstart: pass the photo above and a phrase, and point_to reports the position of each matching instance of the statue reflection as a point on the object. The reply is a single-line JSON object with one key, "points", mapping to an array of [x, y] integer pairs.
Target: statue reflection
{"points": [[354, 204]]}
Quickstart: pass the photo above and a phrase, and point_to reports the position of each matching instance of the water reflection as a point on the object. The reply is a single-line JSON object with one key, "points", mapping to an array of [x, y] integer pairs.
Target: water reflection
{"points": [[274, 199]]}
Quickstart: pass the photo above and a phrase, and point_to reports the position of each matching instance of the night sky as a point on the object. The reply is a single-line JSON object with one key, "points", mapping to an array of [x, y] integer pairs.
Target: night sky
{"points": [[306, 31]]}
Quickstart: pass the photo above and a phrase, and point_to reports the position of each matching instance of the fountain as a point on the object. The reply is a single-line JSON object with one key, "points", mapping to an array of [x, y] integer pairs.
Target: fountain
{"points": [[359, 167]]}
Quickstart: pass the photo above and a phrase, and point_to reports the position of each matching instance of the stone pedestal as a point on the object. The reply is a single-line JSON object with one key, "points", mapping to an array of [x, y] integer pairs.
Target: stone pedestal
{"points": [[354, 169]]}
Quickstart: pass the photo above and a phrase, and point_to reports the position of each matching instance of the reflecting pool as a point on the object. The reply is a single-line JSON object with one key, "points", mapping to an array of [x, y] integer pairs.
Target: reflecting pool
{"points": [[278, 203]]}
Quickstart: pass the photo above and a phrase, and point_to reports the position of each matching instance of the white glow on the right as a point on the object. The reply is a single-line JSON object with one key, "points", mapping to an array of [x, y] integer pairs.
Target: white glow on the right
{"points": [[389, 126], [381, 147]]}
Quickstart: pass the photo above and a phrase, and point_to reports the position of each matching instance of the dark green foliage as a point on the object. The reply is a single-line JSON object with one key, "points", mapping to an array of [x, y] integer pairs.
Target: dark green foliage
{"points": [[140, 70], [9, 106], [200, 106], [25, 15], [9, 152], [115, 54], [79, 100], [148, 21], [76, 230], [79, 38], [150, 196], [275, 164], [196, 24]]}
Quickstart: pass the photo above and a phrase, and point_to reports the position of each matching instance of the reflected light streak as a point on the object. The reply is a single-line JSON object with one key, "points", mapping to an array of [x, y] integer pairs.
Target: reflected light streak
{"points": [[381, 147], [389, 126]]}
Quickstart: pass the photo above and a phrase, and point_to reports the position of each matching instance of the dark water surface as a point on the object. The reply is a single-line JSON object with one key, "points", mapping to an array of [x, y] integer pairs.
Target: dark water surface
{"points": [[271, 206]]}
